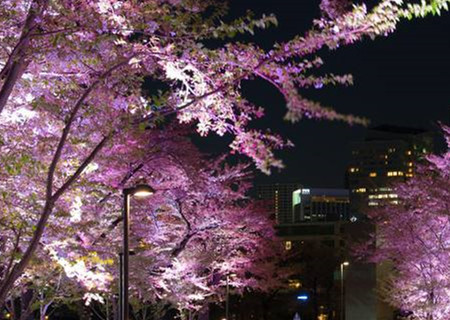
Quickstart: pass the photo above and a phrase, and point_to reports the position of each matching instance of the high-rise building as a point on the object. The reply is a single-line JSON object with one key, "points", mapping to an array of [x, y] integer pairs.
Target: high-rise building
{"points": [[387, 155], [279, 197]]}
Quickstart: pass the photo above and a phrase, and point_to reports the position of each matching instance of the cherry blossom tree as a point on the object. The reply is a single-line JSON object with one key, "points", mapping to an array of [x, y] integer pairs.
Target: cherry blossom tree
{"points": [[71, 75], [195, 231], [414, 237]]}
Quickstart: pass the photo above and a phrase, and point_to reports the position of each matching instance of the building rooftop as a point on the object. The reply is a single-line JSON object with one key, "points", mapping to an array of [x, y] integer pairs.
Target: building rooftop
{"points": [[398, 129], [327, 192]]}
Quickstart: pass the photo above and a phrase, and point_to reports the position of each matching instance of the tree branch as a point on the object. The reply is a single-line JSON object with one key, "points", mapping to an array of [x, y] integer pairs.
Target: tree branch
{"points": [[16, 64], [50, 198]]}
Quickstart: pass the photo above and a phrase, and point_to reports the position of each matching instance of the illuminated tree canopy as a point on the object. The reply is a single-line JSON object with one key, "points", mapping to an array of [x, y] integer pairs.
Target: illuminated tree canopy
{"points": [[414, 237], [71, 97]]}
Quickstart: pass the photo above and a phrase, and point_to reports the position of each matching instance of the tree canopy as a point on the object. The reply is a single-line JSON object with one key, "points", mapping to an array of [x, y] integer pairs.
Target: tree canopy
{"points": [[71, 96]]}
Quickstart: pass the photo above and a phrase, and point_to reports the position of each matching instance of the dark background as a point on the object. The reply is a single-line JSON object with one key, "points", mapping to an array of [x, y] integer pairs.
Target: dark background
{"points": [[399, 80]]}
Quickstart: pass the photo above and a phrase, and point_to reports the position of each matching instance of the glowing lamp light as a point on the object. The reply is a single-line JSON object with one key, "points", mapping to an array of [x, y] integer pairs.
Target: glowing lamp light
{"points": [[302, 297], [345, 263], [142, 191]]}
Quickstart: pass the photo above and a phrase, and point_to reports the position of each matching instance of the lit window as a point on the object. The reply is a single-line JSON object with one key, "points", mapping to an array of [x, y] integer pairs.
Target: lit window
{"points": [[372, 174], [410, 164], [288, 245], [394, 173], [408, 152], [360, 190], [372, 203], [394, 201], [382, 196]]}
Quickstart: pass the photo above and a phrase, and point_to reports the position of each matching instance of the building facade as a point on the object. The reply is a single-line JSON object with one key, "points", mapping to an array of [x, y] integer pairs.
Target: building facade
{"points": [[279, 199], [310, 222], [388, 154], [311, 205]]}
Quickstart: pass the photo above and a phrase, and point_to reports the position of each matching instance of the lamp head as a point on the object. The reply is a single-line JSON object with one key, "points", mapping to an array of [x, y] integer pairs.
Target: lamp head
{"points": [[142, 191], [345, 263]]}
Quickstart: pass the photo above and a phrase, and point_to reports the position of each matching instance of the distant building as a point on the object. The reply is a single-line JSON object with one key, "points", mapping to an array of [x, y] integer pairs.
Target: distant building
{"points": [[312, 205], [388, 154], [310, 222], [292, 204], [279, 196]]}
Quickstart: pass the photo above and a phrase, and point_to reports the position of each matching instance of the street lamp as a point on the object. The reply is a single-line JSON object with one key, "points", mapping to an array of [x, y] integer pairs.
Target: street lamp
{"points": [[227, 305], [140, 191], [343, 264], [227, 301]]}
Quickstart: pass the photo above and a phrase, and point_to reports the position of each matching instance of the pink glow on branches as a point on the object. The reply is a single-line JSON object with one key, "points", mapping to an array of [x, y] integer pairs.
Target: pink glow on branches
{"points": [[414, 238]]}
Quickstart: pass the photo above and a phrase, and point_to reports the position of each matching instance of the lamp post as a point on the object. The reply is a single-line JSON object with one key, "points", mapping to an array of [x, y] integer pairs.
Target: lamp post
{"points": [[227, 303], [120, 283], [227, 297], [343, 264], [140, 191]]}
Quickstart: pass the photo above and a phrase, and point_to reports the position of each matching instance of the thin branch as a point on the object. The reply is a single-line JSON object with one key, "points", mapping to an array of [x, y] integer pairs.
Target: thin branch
{"points": [[47, 33], [68, 126], [14, 251], [97, 314], [83, 166]]}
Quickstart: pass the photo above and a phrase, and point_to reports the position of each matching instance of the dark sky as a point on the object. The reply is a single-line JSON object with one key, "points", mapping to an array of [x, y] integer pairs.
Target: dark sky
{"points": [[401, 80]]}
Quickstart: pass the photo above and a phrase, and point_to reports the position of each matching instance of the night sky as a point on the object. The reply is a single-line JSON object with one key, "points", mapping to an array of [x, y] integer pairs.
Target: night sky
{"points": [[400, 80]]}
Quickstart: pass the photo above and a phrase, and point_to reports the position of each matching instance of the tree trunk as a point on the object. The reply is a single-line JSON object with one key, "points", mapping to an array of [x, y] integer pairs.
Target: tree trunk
{"points": [[26, 301], [18, 268], [51, 197], [17, 64]]}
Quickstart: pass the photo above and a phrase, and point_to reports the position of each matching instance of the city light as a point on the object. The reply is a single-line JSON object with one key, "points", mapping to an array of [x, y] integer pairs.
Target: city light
{"points": [[302, 297]]}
